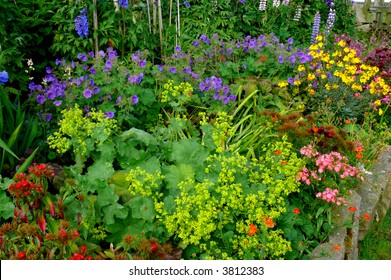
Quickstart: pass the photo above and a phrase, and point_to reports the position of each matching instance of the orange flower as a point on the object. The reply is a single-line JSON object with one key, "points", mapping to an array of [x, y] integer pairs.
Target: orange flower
{"points": [[347, 121], [337, 247], [284, 162], [277, 152], [367, 217], [352, 209], [269, 222], [252, 230], [296, 211]]}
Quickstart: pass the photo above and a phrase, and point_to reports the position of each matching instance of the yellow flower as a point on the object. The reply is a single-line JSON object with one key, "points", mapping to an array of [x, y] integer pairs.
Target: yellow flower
{"points": [[319, 38], [342, 43], [380, 112], [282, 84], [301, 68]]}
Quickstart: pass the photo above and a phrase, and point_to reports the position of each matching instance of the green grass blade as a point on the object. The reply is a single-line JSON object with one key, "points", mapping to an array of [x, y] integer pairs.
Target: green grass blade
{"points": [[27, 163]]}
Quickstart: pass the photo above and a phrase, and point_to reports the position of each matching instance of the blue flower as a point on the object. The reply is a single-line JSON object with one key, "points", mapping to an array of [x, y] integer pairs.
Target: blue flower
{"points": [[3, 77], [109, 114], [87, 93], [134, 99], [123, 3], [48, 117], [315, 28], [81, 23]]}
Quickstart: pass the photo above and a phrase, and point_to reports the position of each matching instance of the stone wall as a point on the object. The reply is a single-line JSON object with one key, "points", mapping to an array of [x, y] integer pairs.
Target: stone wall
{"points": [[372, 198]]}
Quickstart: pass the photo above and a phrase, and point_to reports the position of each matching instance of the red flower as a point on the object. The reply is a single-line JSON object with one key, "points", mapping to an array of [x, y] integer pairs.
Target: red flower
{"points": [[296, 211], [337, 247], [153, 247], [21, 256], [352, 209], [367, 217], [277, 152], [269, 223], [252, 230]]}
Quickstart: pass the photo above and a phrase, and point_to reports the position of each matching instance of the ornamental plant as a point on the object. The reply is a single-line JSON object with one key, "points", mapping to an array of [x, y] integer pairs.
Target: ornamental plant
{"points": [[339, 73], [220, 205]]}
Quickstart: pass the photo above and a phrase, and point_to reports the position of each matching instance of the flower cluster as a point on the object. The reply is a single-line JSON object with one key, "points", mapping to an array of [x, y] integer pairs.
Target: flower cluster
{"points": [[262, 5], [330, 195], [221, 92], [23, 187], [81, 23], [124, 3], [81, 254], [75, 129], [330, 21], [181, 93], [315, 28]]}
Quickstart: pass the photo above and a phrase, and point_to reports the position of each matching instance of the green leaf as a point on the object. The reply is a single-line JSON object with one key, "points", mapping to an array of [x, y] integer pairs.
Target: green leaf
{"points": [[176, 174], [188, 151], [6, 148], [142, 208], [101, 170], [6, 206], [138, 135]]}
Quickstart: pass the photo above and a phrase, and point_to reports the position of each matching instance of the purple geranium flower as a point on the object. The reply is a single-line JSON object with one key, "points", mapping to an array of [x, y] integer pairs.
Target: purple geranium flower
{"points": [[87, 93], [134, 99], [109, 114]]}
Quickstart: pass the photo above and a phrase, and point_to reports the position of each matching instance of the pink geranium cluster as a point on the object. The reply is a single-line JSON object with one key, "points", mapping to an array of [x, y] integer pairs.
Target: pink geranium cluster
{"points": [[330, 195], [333, 161]]}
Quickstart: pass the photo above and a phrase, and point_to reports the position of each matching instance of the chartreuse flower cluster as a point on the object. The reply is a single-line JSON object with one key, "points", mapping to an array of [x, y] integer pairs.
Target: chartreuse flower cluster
{"points": [[228, 210], [329, 69], [78, 130], [175, 93]]}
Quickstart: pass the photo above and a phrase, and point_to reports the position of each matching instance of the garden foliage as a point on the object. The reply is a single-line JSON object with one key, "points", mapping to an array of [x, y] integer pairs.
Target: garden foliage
{"points": [[241, 141]]}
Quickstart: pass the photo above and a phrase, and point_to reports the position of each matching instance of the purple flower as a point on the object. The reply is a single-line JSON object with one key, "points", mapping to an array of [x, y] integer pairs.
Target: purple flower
{"points": [[205, 39], [315, 28], [135, 57], [134, 99], [87, 93], [82, 57], [290, 41], [172, 69], [123, 3], [132, 79], [242, 1], [292, 59], [291, 81], [143, 63], [91, 54], [48, 70], [160, 67], [244, 66], [48, 117], [81, 23], [140, 77], [196, 43], [187, 4], [187, 70], [177, 49], [109, 114], [119, 99], [32, 86], [41, 99], [101, 54], [330, 21], [92, 70], [96, 90], [280, 59], [58, 62], [57, 102]]}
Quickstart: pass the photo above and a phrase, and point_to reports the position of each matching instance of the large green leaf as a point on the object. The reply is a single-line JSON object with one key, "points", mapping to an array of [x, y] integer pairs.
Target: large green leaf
{"points": [[189, 151], [6, 206], [142, 208], [174, 174]]}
